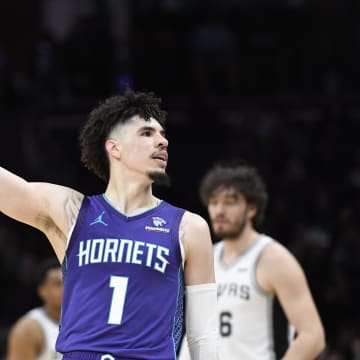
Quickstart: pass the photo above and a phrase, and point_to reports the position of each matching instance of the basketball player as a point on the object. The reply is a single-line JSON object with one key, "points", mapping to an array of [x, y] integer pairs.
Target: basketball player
{"points": [[33, 336], [254, 274], [126, 254]]}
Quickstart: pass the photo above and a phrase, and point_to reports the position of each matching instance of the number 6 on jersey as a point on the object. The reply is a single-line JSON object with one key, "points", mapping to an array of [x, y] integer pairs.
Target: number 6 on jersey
{"points": [[119, 284]]}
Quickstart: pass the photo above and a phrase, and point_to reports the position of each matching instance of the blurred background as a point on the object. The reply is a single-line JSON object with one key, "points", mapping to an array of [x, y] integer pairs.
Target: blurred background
{"points": [[273, 81]]}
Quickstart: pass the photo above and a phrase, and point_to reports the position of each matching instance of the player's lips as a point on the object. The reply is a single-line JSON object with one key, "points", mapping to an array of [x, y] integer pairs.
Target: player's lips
{"points": [[220, 222], [160, 156]]}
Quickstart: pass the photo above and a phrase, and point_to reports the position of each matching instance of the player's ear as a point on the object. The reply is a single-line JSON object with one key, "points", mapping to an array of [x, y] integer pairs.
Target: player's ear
{"points": [[113, 148], [252, 211], [41, 292]]}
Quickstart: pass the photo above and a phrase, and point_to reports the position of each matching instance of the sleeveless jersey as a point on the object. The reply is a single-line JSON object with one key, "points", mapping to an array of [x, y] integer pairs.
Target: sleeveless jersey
{"points": [[123, 283], [251, 323], [50, 330]]}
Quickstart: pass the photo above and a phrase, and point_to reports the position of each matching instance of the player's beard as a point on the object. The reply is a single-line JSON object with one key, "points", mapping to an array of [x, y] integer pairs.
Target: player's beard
{"points": [[160, 178], [234, 231]]}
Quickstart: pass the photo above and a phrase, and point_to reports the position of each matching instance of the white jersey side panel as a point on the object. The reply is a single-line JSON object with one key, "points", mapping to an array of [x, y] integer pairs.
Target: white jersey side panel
{"points": [[50, 330]]}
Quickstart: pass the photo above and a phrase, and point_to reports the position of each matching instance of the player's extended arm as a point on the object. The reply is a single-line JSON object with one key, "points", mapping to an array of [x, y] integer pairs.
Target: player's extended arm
{"points": [[25, 340], [18, 198], [288, 282], [200, 290], [48, 207]]}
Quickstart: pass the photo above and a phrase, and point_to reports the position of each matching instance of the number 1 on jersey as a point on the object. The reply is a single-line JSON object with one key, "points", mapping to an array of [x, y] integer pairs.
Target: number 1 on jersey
{"points": [[119, 284]]}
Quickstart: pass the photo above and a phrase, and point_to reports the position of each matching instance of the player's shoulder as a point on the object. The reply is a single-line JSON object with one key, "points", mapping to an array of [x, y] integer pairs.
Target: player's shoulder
{"points": [[193, 230], [194, 234], [26, 326], [276, 251], [276, 256], [278, 267], [194, 221]]}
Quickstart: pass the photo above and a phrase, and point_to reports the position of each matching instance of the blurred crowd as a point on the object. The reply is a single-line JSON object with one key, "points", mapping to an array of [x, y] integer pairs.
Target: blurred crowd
{"points": [[275, 84]]}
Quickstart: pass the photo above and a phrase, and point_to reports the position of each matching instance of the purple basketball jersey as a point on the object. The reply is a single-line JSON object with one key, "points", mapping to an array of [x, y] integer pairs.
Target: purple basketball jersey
{"points": [[123, 283]]}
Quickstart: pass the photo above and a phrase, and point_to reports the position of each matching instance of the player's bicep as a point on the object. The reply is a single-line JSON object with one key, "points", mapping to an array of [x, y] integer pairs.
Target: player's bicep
{"points": [[63, 206], [198, 252], [291, 287], [41, 205]]}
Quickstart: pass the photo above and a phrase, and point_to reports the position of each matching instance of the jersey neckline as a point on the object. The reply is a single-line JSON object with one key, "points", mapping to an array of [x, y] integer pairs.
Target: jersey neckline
{"points": [[226, 267], [146, 212]]}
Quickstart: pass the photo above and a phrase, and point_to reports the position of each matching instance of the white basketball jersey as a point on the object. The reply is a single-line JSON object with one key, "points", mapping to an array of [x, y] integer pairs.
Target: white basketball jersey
{"points": [[50, 330], [247, 318]]}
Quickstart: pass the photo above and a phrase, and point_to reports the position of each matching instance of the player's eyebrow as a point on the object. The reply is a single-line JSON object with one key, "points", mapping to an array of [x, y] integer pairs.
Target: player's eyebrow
{"points": [[152, 129]]}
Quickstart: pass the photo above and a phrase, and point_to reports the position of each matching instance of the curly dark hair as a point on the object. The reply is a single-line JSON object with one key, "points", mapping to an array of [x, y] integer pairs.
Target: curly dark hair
{"points": [[243, 178], [102, 120]]}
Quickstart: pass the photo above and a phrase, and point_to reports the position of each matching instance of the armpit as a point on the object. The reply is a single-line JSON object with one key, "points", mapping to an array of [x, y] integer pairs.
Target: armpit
{"points": [[72, 205]]}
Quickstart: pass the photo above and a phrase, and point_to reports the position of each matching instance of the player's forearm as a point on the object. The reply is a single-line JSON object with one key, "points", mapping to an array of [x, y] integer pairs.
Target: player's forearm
{"points": [[12, 187], [201, 321], [307, 346], [17, 197]]}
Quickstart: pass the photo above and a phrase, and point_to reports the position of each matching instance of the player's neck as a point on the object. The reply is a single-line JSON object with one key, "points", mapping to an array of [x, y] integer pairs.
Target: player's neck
{"points": [[52, 313], [130, 196], [233, 248]]}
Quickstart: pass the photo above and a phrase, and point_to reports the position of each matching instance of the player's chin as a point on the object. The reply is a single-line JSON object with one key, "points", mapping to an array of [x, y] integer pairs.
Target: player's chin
{"points": [[226, 233], [159, 177], [162, 166], [158, 169]]}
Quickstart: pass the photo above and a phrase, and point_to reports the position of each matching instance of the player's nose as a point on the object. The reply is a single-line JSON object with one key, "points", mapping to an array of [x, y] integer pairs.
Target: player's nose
{"points": [[218, 209], [162, 142]]}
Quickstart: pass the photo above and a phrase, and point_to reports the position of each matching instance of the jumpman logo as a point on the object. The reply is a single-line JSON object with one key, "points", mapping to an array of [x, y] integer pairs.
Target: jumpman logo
{"points": [[99, 220]]}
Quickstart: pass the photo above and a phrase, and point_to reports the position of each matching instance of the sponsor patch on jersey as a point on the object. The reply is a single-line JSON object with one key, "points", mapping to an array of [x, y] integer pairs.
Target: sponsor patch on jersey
{"points": [[158, 223]]}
